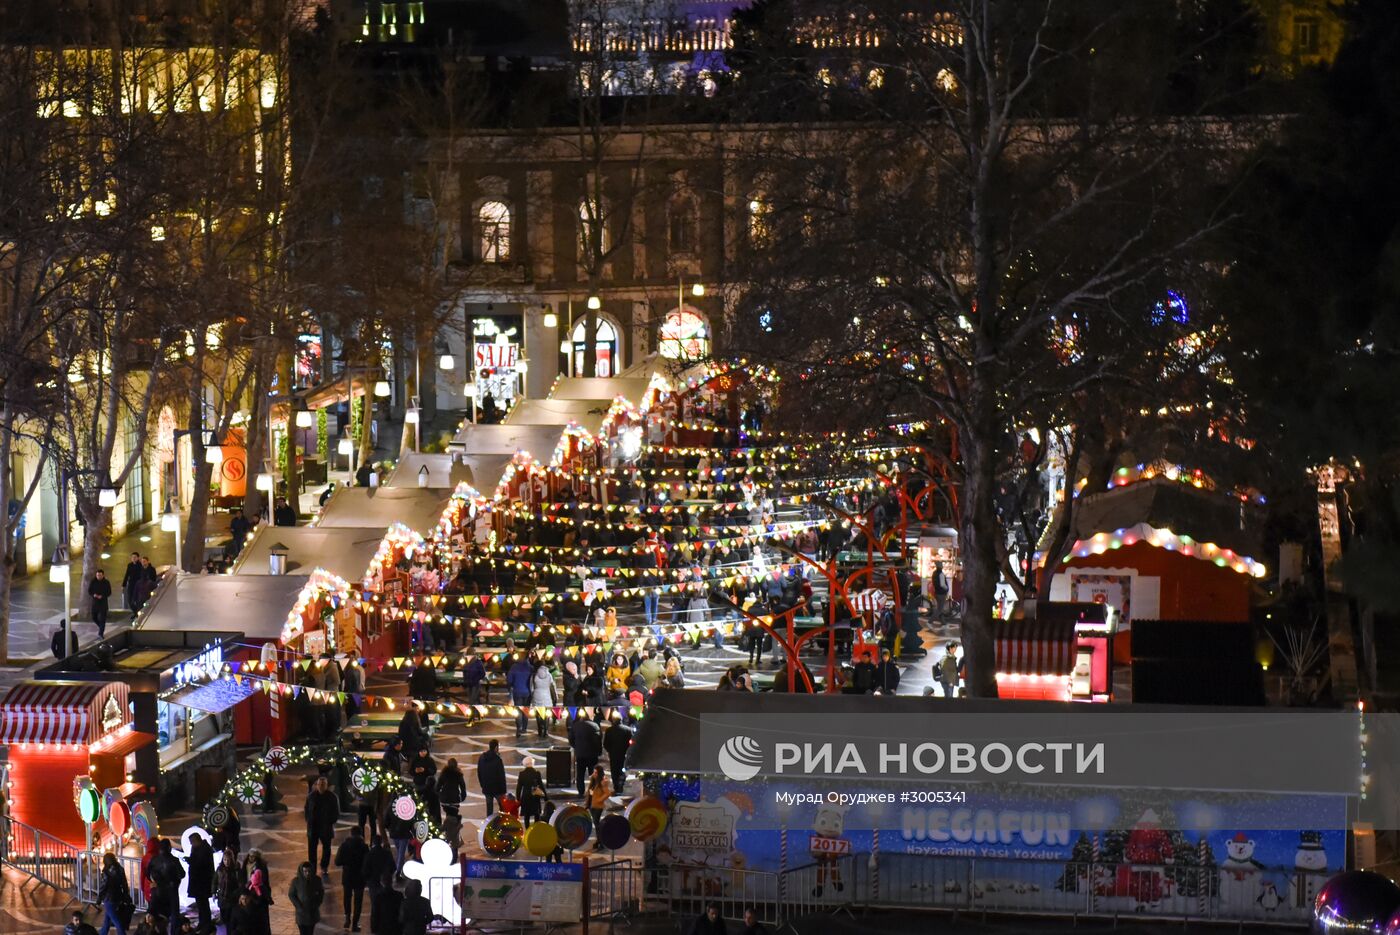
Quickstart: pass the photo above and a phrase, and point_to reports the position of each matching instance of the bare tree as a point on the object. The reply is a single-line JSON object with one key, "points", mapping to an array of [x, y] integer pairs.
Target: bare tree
{"points": [[981, 228]]}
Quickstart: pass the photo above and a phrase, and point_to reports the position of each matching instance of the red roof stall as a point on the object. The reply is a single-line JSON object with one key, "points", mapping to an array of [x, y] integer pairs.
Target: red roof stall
{"points": [[1161, 549], [57, 731], [1058, 652]]}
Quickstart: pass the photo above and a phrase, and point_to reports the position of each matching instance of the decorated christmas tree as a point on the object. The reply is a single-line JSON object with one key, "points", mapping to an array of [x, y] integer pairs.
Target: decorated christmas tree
{"points": [[1077, 870]]}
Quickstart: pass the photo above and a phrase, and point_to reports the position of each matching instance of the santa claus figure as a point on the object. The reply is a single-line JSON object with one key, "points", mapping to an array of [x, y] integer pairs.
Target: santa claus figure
{"points": [[1147, 849]]}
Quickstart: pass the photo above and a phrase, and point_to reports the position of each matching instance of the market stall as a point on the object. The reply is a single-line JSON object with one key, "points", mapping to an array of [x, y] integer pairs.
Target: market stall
{"points": [[424, 469], [58, 730], [1056, 652], [418, 508]]}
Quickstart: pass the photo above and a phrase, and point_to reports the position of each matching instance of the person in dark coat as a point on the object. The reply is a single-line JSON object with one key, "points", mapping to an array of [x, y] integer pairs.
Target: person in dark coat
{"points": [[307, 892], [379, 863], [284, 515], [322, 811], [130, 579], [491, 775], [393, 754], [616, 739], [529, 789], [886, 674], [245, 917], [228, 836], [150, 577], [384, 908], [710, 923], [165, 874], [422, 684], [473, 676], [100, 590], [201, 885], [451, 790], [350, 858], [113, 893], [586, 737], [411, 732], [416, 912]]}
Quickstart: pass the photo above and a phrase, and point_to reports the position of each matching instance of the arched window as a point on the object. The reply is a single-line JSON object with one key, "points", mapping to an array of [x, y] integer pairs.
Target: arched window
{"points": [[685, 335], [494, 218], [590, 213], [604, 347], [682, 231]]}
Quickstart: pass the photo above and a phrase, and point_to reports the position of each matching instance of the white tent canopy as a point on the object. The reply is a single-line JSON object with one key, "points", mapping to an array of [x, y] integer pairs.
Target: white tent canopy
{"points": [[418, 508], [341, 550], [631, 389], [539, 440], [588, 413], [254, 605], [443, 471]]}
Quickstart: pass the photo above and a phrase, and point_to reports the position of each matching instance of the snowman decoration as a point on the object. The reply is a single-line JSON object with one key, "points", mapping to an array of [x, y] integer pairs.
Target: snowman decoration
{"points": [[1239, 872], [1309, 870]]}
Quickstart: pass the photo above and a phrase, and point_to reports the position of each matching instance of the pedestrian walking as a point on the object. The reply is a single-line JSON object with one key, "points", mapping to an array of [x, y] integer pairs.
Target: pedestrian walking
{"points": [[306, 893], [384, 907], [229, 886], [114, 896], [599, 791], [322, 810], [451, 790], [940, 589], [350, 858], [100, 591], [129, 581], [587, 740], [201, 884], [616, 740], [530, 791], [518, 680], [542, 696], [491, 775], [416, 912], [948, 671]]}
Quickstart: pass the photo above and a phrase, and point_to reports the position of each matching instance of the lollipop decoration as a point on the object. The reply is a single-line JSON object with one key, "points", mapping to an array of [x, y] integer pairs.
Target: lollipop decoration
{"points": [[573, 824], [216, 817], [364, 779], [405, 808], [249, 791], [119, 818], [109, 798], [276, 759], [647, 816], [143, 819], [613, 832], [541, 839], [501, 836], [420, 830]]}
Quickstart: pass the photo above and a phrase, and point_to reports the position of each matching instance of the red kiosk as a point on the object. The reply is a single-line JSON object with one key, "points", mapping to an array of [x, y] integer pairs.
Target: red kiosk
{"points": [[59, 730]]}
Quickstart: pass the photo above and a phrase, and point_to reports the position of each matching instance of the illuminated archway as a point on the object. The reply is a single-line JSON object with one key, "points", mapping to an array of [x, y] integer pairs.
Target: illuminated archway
{"points": [[685, 335], [605, 347]]}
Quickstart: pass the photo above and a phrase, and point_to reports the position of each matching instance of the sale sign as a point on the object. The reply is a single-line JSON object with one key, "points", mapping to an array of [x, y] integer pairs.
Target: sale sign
{"points": [[497, 356]]}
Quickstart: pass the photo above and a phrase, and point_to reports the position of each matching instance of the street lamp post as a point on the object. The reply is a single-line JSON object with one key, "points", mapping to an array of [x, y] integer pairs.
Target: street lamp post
{"points": [[170, 522]]}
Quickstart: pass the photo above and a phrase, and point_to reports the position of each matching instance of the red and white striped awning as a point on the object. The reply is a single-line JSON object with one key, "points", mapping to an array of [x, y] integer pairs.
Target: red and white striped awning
{"points": [[62, 712], [1034, 647]]}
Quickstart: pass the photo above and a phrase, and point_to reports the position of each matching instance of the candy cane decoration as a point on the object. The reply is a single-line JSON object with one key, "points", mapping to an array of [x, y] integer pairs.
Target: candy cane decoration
{"points": [[1202, 876]]}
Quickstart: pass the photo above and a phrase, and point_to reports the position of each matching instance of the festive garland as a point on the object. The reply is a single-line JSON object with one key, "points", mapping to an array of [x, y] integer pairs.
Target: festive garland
{"points": [[250, 784]]}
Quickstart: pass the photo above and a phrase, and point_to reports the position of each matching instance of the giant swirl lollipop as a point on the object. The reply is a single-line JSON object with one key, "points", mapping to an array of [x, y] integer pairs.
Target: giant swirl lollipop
{"points": [[541, 839], [647, 816], [573, 824], [501, 836]]}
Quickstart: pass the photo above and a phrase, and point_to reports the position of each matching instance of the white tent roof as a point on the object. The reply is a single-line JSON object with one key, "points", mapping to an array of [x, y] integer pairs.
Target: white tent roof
{"points": [[630, 388], [254, 605], [539, 440], [418, 508], [341, 550], [443, 471], [588, 413]]}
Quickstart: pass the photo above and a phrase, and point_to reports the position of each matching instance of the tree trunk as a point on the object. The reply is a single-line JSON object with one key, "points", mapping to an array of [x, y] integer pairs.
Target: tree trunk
{"points": [[198, 527], [97, 533], [408, 437], [256, 441], [980, 566], [7, 577], [293, 473]]}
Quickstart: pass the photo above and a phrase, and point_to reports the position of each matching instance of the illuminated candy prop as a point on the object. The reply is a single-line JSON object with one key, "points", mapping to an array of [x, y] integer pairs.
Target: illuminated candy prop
{"points": [[647, 816], [574, 825], [501, 836]]}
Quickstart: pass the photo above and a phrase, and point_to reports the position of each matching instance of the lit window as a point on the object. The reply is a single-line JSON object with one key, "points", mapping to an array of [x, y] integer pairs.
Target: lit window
{"points": [[592, 230], [494, 218], [1305, 35], [758, 220], [604, 347], [685, 335]]}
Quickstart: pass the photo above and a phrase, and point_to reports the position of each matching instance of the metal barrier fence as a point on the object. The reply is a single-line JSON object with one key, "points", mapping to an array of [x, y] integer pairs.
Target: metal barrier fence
{"points": [[39, 854], [89, 877], [614, 890], [1183, 892]]}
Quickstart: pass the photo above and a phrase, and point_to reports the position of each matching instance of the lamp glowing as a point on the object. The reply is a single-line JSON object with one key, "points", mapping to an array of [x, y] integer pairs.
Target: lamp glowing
{"points": [[447, 362], [697, 290], [411, 416], [345, 446], [304, 419], [381, 388], [594, 303], [551, 320], [169, 520], [107, 497], [264, 482], [213, 455]]}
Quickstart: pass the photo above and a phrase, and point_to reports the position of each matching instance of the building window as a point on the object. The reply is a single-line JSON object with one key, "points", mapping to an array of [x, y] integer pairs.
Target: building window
{"points": [[685, 335], [1305, 35], [604, 347], [494, 218], [759, 224], [590, 218], [683, 235]]}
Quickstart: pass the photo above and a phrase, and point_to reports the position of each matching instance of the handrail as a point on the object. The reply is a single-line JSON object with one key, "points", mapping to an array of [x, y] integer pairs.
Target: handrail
{"points": [[40, 855]]}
